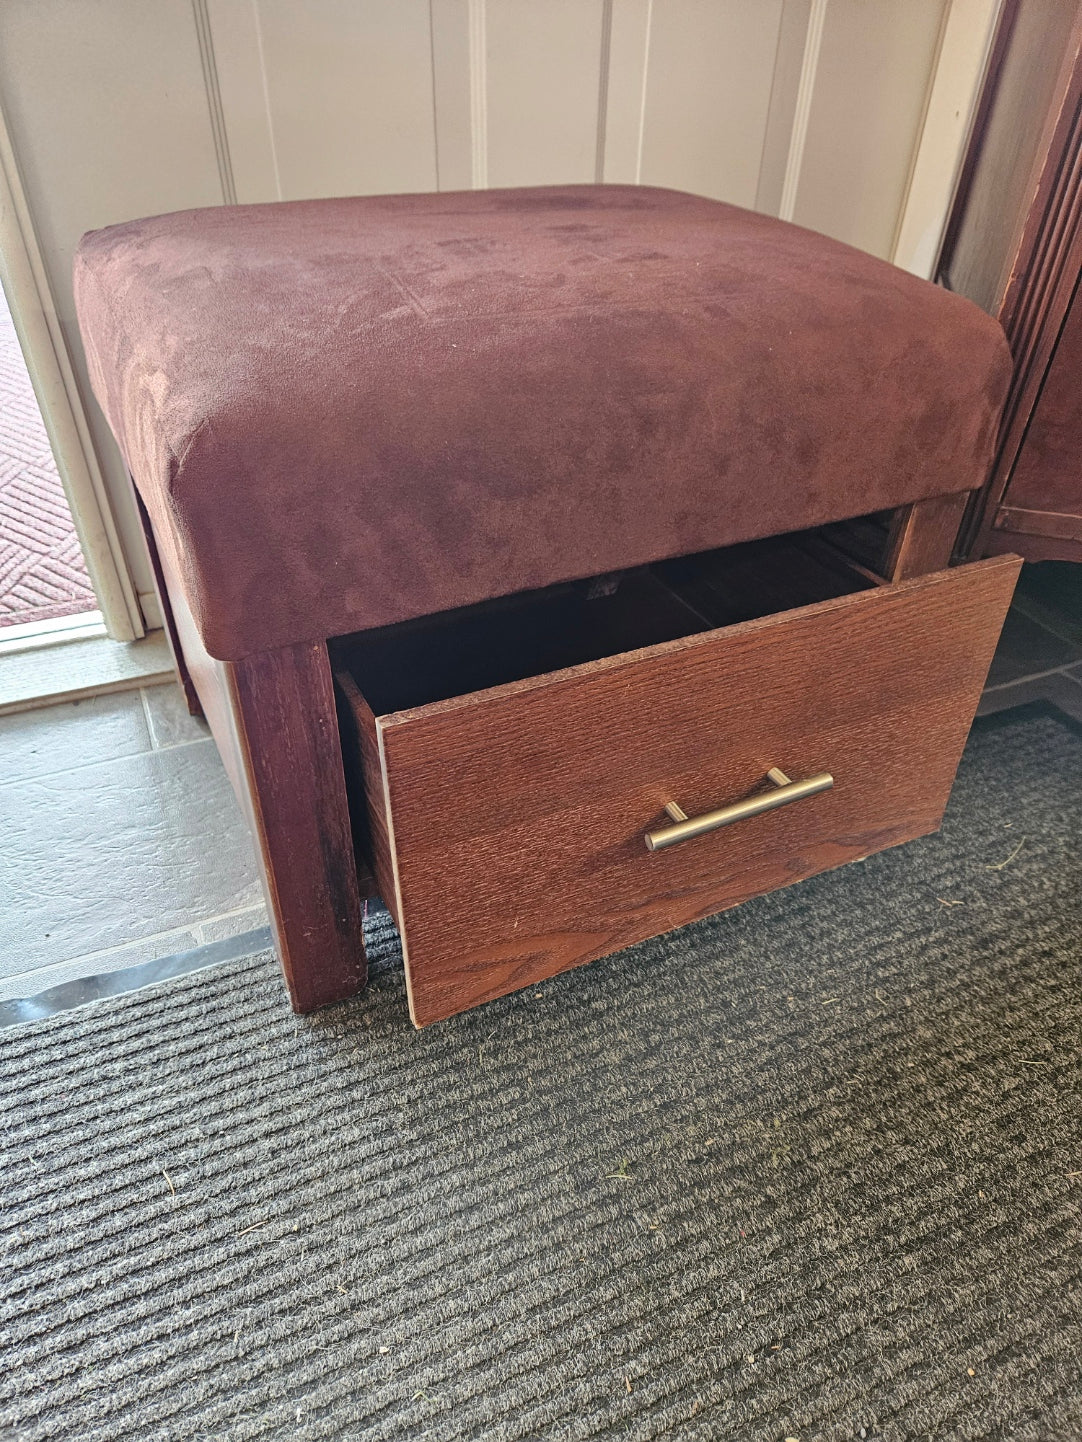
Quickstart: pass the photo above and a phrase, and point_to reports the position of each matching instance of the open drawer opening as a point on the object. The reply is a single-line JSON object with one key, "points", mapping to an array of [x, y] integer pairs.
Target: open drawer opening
{"points": [[516, 770], [435, 658]]}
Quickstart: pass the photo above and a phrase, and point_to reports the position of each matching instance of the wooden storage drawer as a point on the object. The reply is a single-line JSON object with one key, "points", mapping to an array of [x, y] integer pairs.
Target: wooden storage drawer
{"points": [[513, 757]]}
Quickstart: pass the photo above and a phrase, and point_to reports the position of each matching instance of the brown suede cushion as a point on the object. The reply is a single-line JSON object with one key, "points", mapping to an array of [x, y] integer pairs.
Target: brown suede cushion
{"points": [[343, 413]]}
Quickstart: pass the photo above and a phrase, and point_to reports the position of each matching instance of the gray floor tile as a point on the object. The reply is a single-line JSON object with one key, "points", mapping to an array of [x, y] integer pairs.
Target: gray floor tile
{"points": [[1050, 592], [220, 928], [1066, 693], [52, 674], [170, 722], [79, 733], [1058, 688], [1026, 649], [115, 852], [98, 963]]}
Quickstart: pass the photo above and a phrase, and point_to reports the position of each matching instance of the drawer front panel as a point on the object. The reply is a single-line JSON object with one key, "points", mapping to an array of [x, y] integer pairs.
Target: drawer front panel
{"points": [[514, 821]]}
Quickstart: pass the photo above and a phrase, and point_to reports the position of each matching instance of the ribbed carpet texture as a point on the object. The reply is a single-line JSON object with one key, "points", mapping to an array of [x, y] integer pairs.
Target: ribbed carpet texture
{"points": [[810, 1169]]}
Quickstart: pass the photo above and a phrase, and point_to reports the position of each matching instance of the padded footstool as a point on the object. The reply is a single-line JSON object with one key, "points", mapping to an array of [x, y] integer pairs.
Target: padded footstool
{"points": [[507, 541]]}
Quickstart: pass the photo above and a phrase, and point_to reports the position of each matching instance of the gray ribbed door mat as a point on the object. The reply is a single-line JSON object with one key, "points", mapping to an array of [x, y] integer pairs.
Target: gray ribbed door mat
{"points": [[811, 1169]]}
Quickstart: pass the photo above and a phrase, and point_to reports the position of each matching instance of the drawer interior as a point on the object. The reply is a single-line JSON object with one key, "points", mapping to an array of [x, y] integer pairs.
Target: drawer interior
{"points": [[452, 654]]}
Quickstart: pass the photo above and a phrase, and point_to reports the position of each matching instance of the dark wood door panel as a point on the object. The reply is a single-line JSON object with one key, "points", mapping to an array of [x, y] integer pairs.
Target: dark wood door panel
{"points": [[1014, 245], [1044, 496]]}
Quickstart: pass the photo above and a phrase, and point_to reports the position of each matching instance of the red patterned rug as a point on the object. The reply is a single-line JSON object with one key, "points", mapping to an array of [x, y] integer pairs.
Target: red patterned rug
{"points": [[42, 572]]}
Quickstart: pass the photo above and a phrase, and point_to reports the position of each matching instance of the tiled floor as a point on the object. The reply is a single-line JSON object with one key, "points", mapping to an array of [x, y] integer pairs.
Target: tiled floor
{"points": [[1040, 651], [1063, 687], [123, 841]]}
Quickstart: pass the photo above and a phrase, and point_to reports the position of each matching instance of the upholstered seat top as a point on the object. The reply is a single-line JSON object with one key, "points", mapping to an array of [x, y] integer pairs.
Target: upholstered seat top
{"points": [[344, 413]]}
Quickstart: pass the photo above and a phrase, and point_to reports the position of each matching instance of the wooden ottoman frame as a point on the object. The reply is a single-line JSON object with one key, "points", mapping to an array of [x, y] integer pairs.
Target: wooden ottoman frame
{"points": [[273, 716]]}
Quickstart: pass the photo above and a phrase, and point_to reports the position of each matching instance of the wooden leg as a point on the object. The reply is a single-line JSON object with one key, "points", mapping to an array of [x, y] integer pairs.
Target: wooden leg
{"points": [[283, 711], [922, 536], [273, 718]]}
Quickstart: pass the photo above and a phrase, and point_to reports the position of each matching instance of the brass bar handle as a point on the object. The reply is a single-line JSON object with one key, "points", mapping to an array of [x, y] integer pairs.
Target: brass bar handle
{"points": [[784, 792]]}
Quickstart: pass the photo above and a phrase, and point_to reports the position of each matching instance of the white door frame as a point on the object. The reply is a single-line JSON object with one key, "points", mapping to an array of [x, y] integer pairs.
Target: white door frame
{"points": [[33, 310], [965, 41]]}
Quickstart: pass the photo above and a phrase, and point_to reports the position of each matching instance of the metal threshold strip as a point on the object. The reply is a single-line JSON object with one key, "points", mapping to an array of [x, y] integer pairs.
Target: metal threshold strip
{"points": [[74, 663], [83, 990]]}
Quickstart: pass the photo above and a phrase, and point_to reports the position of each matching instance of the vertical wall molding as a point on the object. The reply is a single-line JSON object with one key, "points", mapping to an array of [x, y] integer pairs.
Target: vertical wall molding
{"points": [[788, 58], [965, 41], [478, 95], [813, 40], [452, 98], [603, 90], [214, 100], [435, 92], [267, 107], [624, 45], [642, 97]]}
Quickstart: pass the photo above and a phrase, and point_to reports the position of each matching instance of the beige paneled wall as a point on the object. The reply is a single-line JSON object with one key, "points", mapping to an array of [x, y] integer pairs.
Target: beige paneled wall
{"points": [[875, 66], [325, 97], [538, 134], [808, 108], [119, 107], [709, 73]]}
